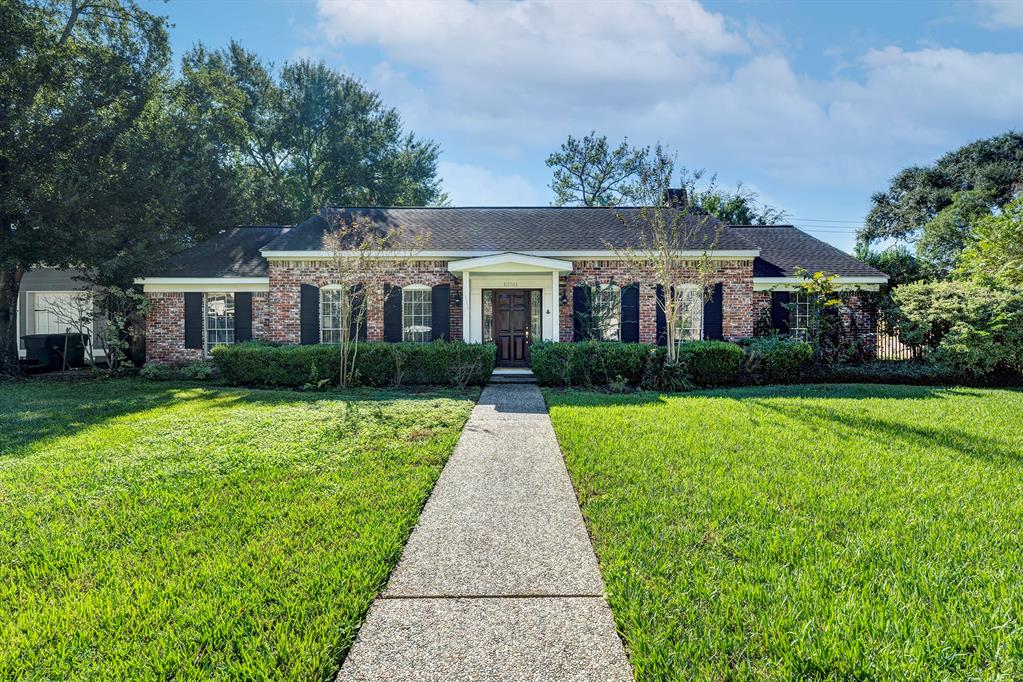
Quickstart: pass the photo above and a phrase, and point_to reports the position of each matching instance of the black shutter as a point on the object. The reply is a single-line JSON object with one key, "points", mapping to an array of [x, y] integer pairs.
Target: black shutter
{"points": [[630, 314], [243, 316], [193, 320], [713, 315], [780, 311], [309, 315], [357, 328], [440, 299], [392, 313], [581, 315], [662, 321]]}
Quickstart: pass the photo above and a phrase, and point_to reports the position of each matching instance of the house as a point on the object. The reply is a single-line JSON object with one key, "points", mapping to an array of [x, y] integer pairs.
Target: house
{"points": [[507, 275], [57, 301]]}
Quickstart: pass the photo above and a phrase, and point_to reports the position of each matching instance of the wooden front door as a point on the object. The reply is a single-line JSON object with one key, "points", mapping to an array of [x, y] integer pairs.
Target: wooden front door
{"points": [[511, 327]]}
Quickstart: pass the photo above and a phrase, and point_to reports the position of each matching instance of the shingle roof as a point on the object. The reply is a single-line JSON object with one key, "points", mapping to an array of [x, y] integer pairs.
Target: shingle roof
{"points": [[542, 228], [784, 249], [231, 253]]}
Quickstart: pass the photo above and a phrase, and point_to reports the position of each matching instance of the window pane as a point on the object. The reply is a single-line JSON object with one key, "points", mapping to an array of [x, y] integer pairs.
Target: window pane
{"points": [[417, 314], [488, 316], [606, 309], [219, 319], [536, 315], [690, 321]]}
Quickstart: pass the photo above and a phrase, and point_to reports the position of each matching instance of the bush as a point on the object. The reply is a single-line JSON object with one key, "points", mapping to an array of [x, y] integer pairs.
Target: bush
{"points": [[198, 370], [712, 363], [970, 328], [589, 363], [777, 359], [908, 372], [376, 364]]}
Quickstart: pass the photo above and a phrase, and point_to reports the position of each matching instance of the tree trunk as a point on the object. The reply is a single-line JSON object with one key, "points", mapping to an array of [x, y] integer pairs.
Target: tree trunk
{"points": [[10, 283]]}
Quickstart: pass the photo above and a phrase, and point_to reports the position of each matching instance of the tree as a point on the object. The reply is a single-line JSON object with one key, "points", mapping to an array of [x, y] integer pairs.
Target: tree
{"points": [[919, 193], [309, 136], [588, 172], [995, 256], [76, 76], [667, 233], [359, 275], [739, 207], [944, 236]]}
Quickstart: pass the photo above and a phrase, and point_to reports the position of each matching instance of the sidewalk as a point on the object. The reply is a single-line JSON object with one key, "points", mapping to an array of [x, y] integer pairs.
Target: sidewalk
{"points": [[498, 581]]}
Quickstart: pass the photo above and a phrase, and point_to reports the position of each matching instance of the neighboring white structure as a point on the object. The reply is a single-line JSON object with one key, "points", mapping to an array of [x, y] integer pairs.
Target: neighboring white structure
{"points": [[46, 301]]}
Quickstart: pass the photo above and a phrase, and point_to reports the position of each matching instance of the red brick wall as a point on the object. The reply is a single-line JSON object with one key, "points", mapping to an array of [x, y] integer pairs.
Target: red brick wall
{"points": [[287, 278], [165, 329], [858, 323], [736, 277]]}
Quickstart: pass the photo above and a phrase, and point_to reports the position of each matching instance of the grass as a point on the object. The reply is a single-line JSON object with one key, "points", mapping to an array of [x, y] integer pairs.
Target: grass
{"points": [[813, 532], [158, 531]]}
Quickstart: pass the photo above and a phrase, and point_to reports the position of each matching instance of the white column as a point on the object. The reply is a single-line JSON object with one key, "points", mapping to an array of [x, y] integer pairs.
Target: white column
{"points": [[556, 308], [466, 317]]}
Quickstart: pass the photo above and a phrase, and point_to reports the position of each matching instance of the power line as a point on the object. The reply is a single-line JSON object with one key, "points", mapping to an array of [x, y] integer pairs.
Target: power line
{"points": [[828, 220]]}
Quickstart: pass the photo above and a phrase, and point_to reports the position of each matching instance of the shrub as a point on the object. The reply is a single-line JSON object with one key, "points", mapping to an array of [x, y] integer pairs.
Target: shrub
{"points": [[776, 359], [712, 363], [968, 327], [198, 370], [376, 364], [589, 363]]}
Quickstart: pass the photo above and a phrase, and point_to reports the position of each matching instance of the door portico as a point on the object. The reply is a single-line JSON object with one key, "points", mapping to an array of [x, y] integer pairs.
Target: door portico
{"points": [[509, 271]]}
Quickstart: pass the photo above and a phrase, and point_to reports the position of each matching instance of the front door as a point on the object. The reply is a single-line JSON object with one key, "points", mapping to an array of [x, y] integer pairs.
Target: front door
{"points": [[511, 327]]}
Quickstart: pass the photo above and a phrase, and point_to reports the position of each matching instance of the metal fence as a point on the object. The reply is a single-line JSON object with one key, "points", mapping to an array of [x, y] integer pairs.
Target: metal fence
{"points": [[889, 347]]}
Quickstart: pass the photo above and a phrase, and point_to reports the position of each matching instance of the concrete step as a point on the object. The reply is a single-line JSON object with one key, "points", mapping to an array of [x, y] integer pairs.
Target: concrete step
{"points": [[513, 379]]}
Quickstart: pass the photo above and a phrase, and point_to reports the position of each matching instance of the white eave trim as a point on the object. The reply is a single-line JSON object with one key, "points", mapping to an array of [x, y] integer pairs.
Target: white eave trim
{"points": [[602, 254], [511, 260], [171, 284], [791, 283]]}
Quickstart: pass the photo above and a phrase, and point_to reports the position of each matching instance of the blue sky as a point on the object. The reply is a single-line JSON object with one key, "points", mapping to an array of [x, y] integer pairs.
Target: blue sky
{"points": [[815, 105]]}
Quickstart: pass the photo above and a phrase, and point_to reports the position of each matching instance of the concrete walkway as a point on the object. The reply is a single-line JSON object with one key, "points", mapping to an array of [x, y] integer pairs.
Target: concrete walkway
{"points": [[498, 581]]}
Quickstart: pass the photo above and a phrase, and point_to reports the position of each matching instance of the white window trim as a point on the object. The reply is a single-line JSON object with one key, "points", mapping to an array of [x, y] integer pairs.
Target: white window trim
{"points": [[325, 289], [417, 288], [30, 309], [687, 288], [617, 289], [206, 347]]}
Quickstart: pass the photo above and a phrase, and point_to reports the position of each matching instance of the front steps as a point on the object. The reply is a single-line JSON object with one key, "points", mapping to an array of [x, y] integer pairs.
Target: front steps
{"points": [[512, 375]]}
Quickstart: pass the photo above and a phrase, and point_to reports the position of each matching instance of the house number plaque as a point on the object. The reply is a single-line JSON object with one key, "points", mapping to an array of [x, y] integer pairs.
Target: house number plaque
{"points": [[511, 284]]}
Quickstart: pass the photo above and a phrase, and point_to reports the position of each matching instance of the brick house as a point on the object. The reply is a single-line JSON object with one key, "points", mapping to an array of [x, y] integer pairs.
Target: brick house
{"points": [[507, 275]]}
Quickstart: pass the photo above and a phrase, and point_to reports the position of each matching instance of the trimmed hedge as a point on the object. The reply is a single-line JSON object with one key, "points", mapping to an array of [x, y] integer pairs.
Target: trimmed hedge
{"points": [[777, 359], [712, 363], [589, 363], [256, 363]]}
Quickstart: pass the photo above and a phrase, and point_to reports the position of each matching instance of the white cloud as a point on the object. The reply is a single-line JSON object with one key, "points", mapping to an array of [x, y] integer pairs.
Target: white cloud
{"points": [[997, 14], [511, 79], [472, 185]]}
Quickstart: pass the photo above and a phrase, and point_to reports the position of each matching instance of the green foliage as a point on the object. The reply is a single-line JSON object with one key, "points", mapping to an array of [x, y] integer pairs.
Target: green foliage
{"points": [[376, 364], [918, 194], [308, 136], [807, 532], [966, 326], [712, 363], [242, 534], [740, 206], [197, 370], [946, 235], [589, 172], [907, 372], [777, 360], [589, 363], [995, 256]]}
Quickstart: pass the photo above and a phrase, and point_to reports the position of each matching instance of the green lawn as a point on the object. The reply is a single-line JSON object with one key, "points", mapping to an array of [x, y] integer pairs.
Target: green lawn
{"points": [[812, 532], [158, 531]]}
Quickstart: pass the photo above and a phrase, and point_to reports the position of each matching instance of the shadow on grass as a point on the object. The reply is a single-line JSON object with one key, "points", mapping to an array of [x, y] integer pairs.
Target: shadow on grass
{"points": [[31, 410], [580, 397]]}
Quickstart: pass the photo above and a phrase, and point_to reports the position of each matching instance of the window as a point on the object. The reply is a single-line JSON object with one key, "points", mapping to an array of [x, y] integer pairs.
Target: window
{"points": [[488, 316], [800, 311], [690, 317], [330, 315], [535, 315], [219, 319], [416, 313], [606, 310]]}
